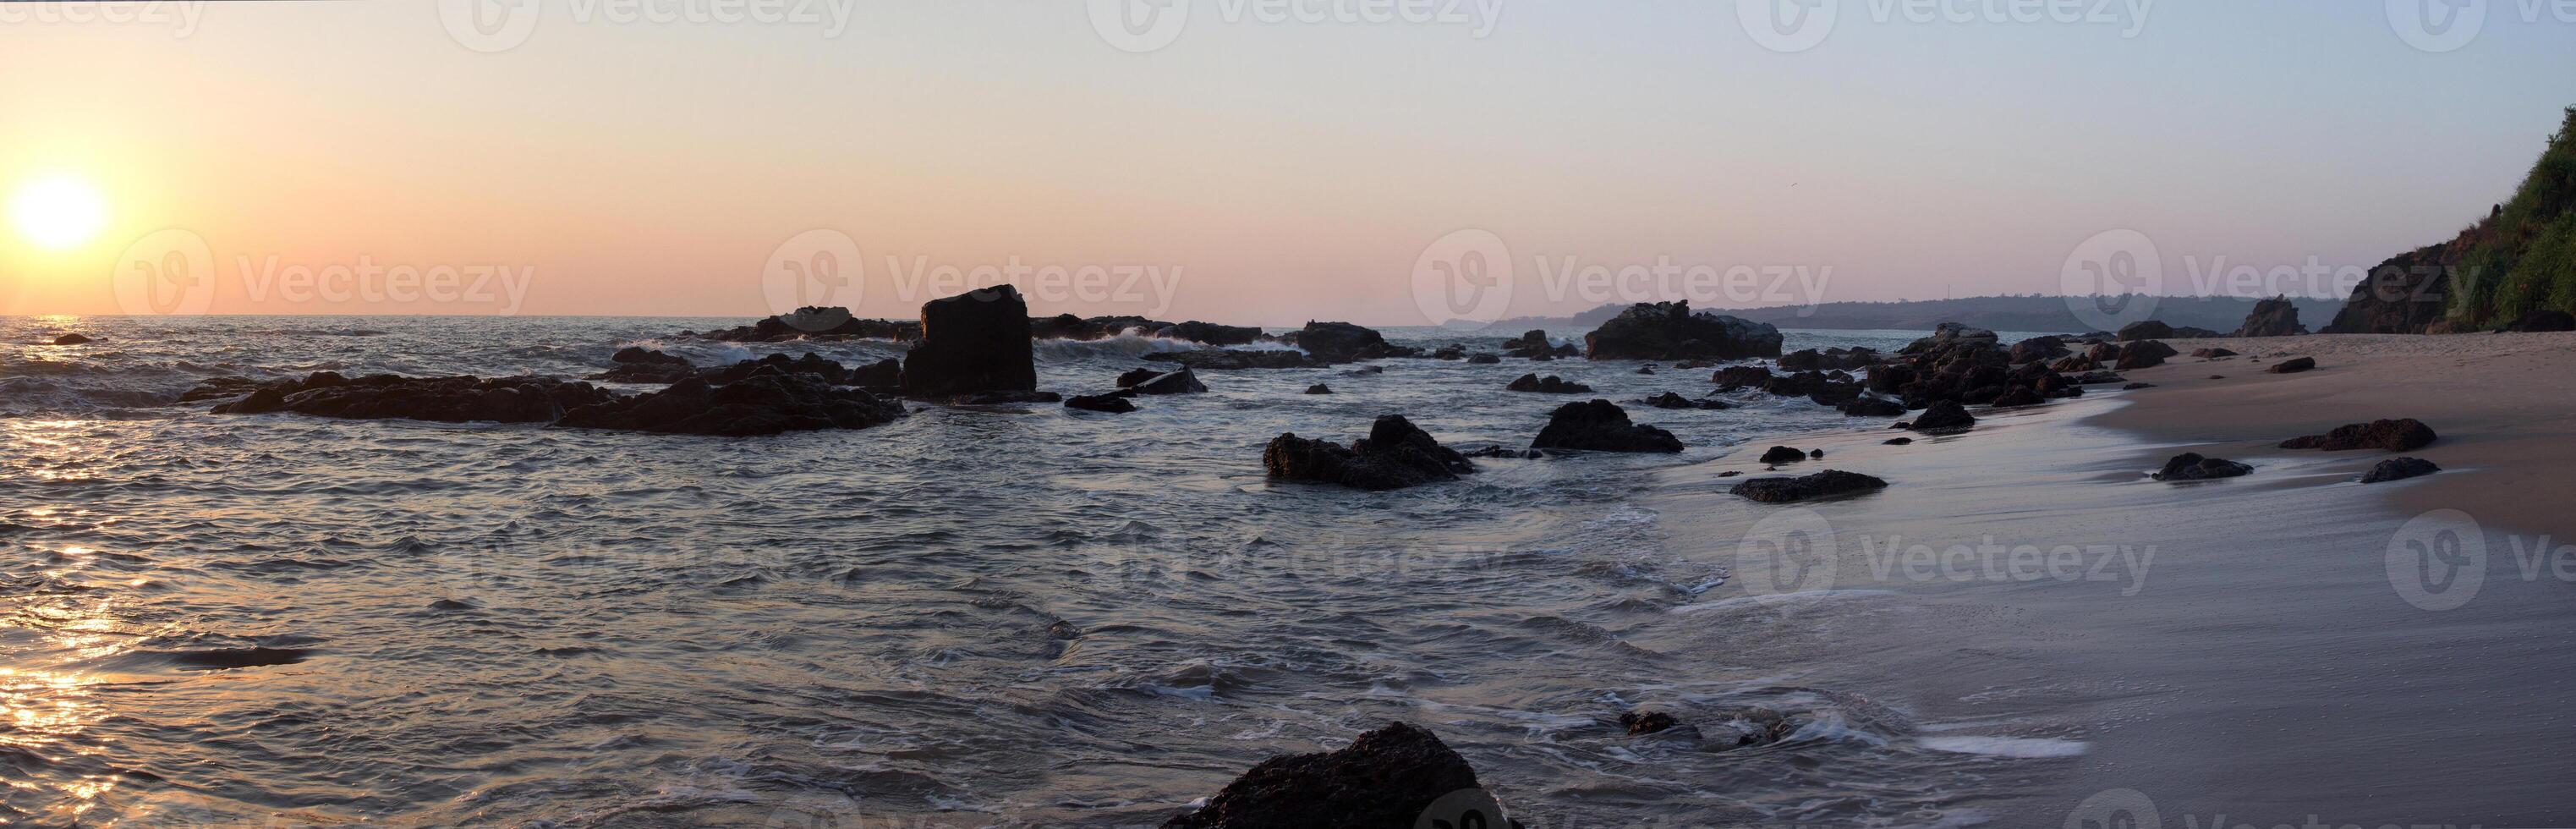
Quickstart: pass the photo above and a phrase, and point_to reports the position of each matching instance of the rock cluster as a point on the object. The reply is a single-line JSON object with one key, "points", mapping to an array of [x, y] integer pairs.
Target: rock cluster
{"points": [[2400, 435], [1669, 331], [1395, 455], [1601, 426], [1386, 779]]}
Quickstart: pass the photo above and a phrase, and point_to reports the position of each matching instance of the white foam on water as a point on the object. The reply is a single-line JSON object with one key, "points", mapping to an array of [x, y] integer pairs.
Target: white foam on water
{"points": [[2014, 747]]}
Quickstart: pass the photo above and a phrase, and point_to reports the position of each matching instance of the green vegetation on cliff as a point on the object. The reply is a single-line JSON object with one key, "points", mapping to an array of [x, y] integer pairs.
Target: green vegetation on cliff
{"points": [[2523, 257]]}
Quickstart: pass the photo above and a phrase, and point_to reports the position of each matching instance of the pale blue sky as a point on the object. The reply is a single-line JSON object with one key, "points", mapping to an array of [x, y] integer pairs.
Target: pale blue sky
{"points": [[1285, 171]]}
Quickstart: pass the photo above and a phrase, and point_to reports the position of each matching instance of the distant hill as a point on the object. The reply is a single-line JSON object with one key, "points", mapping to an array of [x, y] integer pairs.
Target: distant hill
{"points": [[2521, 258], [2000, 313]]}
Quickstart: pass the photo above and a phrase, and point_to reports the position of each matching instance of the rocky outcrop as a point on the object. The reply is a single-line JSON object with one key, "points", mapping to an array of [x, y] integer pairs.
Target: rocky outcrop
{"points": [[1830, 359], [1483, 359], [2400, 435], [638, 365], [2274, 317], [2399, 469], [1944, 416], [2146, 354], [1319, 388], [1550, 384], [1601, 426], [2293, 365], [1951, 333], [1211, 333], [1108, 403], [1641, 723], [1536, 346], [1961, 365], [1342, 342], [1386, 779], [1149, 381], [1216, 359], [1824, 484], [2146, 330], [444, 399], [814, 323], [767, 402], [2191, 466], [1395, 455], [1669, 331], [2037, 349], [973, 342], [1669, 400]]}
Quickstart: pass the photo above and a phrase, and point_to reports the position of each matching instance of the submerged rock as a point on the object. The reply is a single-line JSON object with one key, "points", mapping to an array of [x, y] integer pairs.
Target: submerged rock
{"points": [[72, 339], [1783, 454], [1548, 385], [1109, 403], [1395, 455], [2191, 466], [444, 399], [1872, 407], [639, 365], [767, 402], [2401, 435], [1170, 382], [1383, 780], [2398, 469], [1602, 427], [1668, 331], [1640, 723], [1669, 400], [1319, 388], [1215, 359], [1820, 485], [972, 342]]}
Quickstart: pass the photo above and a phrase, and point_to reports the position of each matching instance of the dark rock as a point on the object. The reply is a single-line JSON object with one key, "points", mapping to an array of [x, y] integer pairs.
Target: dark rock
{"points": [[1170, 382], [1395, 455], [443, 399], [1498, 451], [2137, 386], [2096, 378], [816, 323], [767, 402], [2146, 354], [1669, 331], [1943, 416], [1783, 454], [1109, 403], [1319, 388], [1237, 359], [1731, 378], [1365, 371], [2275, 317], [1547, 385], [1952, 333], [217, 388], [1383, 780], [1483, 359], [1829, 359], [2401, 435], [1872, 407], [1008, 398], [1342, 342], [2293, 365], [1899, 442], [973, 342], [1645, 369], [1601, 426], [2146, 330], [2212, 353], [1820, 485], [71, 339], [882, 374], [2536, 321], [2218, 377], [2399, 469], [1449, 352], [2037, 349], [1640, 723], [1211, 333], [637, 365], [1669, 400], [1535, 346], [2017, 396], [1816, 454], [2190, 466]]}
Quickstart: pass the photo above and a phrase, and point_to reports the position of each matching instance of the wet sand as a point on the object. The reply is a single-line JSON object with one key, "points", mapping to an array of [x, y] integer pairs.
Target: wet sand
{"points": [[2262, 650]]}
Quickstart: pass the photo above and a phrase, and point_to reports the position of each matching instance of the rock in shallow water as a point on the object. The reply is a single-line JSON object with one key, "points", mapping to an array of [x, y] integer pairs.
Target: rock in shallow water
{"points": [[2191, 466], [1824, 484], [1386, 778], [2401, 435], [1109, 403], [1550, 384], [2399, 469], [972, 342], [442, 399], [1395, 455], [768, 402], [1601, 426], [1942, 417], [1669, 331]]}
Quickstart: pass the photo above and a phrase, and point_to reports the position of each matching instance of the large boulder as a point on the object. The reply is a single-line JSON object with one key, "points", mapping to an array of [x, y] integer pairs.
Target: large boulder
{"points": [[767, 402], [1149, 381], [444, 399], [1386, 779], [2400, 435], [1824, 484], [1944, 416], [1395, 455], [1669, 331], [975, 341], [2275, 317], [1342, 342], [2037, 349], [1601, 426], [2146, 330], [2145, 354]]}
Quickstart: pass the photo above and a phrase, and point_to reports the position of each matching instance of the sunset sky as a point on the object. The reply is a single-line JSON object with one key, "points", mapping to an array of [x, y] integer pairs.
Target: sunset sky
{"points": [[1270, 172]]}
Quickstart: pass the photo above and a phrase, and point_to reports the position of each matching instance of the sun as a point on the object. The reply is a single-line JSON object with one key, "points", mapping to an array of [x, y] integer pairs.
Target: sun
{"points": [[58, 212]]}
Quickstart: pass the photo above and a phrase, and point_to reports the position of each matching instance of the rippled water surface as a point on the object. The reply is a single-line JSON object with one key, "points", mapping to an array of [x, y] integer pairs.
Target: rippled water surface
{"points": [[1015, 616]]}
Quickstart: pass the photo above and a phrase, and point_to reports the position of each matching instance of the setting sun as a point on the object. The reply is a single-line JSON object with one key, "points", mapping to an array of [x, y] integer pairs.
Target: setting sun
{"points": [[58, 213]]}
